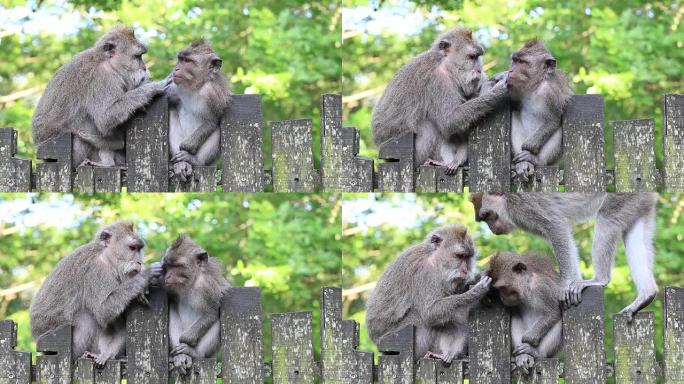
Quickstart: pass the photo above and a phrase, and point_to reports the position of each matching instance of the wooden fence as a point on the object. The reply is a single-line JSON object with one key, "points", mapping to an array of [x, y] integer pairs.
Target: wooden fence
{"points": [[343, 171], [340, 362]]}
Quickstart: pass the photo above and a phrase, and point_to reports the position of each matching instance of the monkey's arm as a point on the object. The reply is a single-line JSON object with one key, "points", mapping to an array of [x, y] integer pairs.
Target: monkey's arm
{"points": [[540, 328], [193, 143], [546, 127], [444, 309], [200, 327], [461, 118]]}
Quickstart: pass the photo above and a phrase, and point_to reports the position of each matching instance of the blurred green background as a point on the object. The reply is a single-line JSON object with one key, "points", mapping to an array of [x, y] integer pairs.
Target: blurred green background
{"points": [[288, 50], [287, 244], [376, 228], [632, 52]]}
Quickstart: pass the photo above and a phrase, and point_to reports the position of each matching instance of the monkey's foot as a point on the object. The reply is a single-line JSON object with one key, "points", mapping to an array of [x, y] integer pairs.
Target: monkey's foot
{"points": [[638, 304], [572, 295], [181, 364], [88, 355], [434, 355], [449, 168], [99, 359], [524, 170], [524, 363]]}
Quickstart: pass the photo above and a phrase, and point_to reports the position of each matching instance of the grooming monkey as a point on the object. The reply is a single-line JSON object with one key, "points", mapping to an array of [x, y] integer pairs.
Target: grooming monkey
{"points": [[551, 215], [529, 286], [198, 98], [91, 288], [427, 286], [437, 96], [93, 95], [195, 286]]}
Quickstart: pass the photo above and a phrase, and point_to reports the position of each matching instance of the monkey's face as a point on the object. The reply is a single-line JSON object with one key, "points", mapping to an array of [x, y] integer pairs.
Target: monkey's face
{"points": [[492, 209], [468, 62], [195, 65], [453, 254], [126, 58], [123, 247], [183, 264], [529, 67], [509, 274]]}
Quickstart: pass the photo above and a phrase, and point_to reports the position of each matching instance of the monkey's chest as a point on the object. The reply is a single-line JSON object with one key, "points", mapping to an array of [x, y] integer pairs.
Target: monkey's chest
{"points": [[184, 122], [187, 315], [523, 124]]}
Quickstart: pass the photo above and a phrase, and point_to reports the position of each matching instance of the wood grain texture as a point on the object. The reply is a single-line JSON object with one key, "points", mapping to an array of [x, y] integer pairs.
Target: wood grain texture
{"points": [[55, 366], [147, 341], [293, 361], [293, 167], [15, 174], [241, 145], [673, 142], [673, 334], [635, 167], [147, 148], [54, 174], [635, 354], [15, 366], [489, 345], [395, 365], [241, 336], [583, 144], [489, 153], [396, 173]]}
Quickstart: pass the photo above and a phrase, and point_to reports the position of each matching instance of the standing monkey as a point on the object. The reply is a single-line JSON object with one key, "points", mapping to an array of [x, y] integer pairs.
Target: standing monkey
{"points": [[437, 96], [427, 286], [196, 287], [93, 95], [551, 215], [91, 288], [529, 286], [539, 94], [198, 98]]}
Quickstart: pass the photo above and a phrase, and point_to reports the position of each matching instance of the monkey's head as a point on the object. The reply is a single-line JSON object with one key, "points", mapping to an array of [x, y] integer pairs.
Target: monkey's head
{"points": [[121, 53], [453, 252], [515, 276], [461, 59], [197, 64], [123, 248], [492, 208], [530, 65], [183, 263]]}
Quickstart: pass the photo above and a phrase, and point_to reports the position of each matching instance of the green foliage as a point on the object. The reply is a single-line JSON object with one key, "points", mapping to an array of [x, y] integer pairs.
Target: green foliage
{"points": [[286, 244]]}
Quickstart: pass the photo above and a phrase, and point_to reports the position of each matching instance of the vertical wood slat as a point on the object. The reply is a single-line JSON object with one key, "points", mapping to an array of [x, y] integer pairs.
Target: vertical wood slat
{"points": [[583, 344], [54, 368], [396, 173], [203, 371], [433, 371], [673, 142], [489, 153], [147, 148], [635, 355], [673, 334], [545, 179], [293, 166], [15, 174], [434, 179], [241, 145], [583, 144], [241, 336], [489, 345], [545, 371], [341, 363], [147, 342], [86, 373], [15, 366], [341, 169], [203, 179], [635, 168], [293, 360], [395, 365], [54, 175], [97, 179]]}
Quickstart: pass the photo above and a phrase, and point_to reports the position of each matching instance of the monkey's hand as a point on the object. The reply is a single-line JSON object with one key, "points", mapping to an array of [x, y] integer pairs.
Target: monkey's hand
{"points": [[183, 348], [153, 273], [482, 287], [181, 364], [184, 155], [142, 299], [526, 155], [573, 293], [526, 348], [523, 363], [182, 170], [524, 170]]}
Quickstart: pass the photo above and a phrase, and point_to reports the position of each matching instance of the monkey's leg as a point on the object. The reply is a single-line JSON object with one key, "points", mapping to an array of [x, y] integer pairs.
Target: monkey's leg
{"points": [[84, 334], [209, 342], [560, 237], [640, 254], [111, 343]]}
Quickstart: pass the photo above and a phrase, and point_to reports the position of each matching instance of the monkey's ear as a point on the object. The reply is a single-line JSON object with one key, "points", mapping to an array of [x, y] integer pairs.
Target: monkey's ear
{"points": [[520, 268], [202, 257], [105, 237], [436, 240], [444, 46], [550, 63], [109, 47], [216, 63]]}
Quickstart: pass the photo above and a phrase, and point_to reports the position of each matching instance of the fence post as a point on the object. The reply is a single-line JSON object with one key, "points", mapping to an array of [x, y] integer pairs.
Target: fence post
{"points": [[203, 179], [293, 361], [147, 341], [583, 144], [293, 167], [97, 179], [635, 356], [15, 366], [241, 145], [545, 371], [396, 173], [241, 336], [489, 345], [673, 334], [54, 368], [434, 179], [341, 169], [340, 361], [395, 365], [433, 371], [54, 174], [15, 174], [583, 341], [673, 143], [203, 371], [635, 168], [86, 373], [147, 148], [489, 153], [545, 179]]}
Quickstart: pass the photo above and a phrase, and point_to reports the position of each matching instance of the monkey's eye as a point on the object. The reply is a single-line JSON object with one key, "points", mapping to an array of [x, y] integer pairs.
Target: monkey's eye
{"points": [[473, 56], [133, 247]]}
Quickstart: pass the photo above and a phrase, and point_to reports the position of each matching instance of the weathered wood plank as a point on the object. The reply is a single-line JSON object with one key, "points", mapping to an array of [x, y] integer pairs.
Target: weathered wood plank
{"points": [[293, 167], [545, 371], [241, 145], [635, 168], [673, 143], [147, 342], [396, 173], [435, 179], [147, 148], [395, 365], [583, 144], [97, 179], [433, 371], [203, 371], [15, 174], [86, 373], [635, 355], [583, 343], [546, 179], [203, 179], [489, 345], [489, 153], [15, 366], [293, 361], [673, 334], [54, 174], [341, 169], [341, 363], [241, 336], [55, 367]]}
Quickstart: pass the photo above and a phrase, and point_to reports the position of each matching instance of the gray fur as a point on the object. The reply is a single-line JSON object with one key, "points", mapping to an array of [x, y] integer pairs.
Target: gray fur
{"points": [[93, 95], [425, 287], [91, 288]]}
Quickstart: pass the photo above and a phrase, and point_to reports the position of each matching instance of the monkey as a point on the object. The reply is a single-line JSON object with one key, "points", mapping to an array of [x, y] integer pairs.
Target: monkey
{"points": [[427, 286], [529, 286], [195, 288], [437, 96], [551, 215], [91, 288], [198, 97], [539, 94], [93, 95]]}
